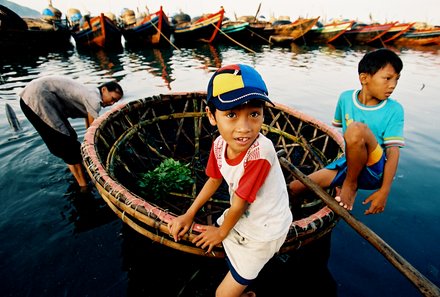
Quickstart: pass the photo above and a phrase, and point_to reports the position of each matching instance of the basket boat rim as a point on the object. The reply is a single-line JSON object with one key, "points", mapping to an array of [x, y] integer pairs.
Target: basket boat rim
{"points": [[109, 187]]}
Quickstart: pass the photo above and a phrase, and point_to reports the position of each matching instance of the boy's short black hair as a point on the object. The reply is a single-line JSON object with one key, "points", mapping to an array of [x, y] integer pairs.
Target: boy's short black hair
{"points": [[253, 103], [375, 60], [112, 86]]}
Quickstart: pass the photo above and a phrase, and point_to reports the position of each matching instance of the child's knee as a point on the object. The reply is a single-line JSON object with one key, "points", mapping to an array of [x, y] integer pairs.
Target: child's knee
{"points": [[356, 128], [359, 134], [295, 186], [356, 132]]}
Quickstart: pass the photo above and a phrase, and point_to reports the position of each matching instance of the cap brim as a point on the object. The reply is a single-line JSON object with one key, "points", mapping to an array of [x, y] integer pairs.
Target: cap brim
{"points": [[236, 98]]}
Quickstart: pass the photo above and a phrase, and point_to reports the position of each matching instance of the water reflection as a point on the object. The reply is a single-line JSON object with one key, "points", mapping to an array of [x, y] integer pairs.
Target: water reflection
{"points": [[303, 49], [206, 56], [155, 270], [25, 53], [157, 61], [298, 273], [86, 211], [430, 49], [104, 62]]}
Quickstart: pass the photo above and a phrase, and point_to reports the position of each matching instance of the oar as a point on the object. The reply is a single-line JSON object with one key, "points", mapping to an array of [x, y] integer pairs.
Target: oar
{"points": [[426, 287]]}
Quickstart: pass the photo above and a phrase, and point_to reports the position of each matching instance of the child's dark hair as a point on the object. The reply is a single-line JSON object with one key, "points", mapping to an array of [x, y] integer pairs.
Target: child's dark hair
{"points": [[253, 103], [373, 61], [112, 86]]}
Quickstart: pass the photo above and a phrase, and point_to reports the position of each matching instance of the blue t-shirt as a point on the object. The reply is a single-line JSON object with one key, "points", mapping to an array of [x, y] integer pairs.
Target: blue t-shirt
{"points": [[385, 119]]}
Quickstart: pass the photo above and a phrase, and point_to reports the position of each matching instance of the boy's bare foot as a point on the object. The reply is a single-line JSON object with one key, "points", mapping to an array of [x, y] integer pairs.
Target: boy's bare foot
{"points": [[249, 294], [337, 191], [346, 196]]}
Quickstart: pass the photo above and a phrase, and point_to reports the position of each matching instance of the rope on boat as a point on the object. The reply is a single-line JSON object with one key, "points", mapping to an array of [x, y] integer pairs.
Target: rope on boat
{"points": [[160, 32], [233, 40], [346, 39], [258, 35]]}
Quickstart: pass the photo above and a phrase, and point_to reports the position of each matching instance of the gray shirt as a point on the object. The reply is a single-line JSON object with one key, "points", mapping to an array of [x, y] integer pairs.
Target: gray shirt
{"points": [[55, 99]]}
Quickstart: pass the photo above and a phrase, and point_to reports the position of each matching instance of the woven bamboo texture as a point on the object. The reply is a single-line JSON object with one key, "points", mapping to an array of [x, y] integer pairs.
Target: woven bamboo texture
{"points": [[135, 138]]}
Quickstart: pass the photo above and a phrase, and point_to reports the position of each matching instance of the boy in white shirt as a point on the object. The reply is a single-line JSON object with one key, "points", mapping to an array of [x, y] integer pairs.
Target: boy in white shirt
{"points": [[255, 226]]}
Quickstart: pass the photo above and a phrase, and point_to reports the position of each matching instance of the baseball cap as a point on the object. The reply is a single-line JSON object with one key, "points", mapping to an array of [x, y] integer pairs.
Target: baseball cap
{"points": [[234, 85]]}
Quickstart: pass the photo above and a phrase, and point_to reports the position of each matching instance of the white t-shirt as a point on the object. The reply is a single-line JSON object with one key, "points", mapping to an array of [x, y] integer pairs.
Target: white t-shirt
{"points": [[55, 99], [256, 177]]}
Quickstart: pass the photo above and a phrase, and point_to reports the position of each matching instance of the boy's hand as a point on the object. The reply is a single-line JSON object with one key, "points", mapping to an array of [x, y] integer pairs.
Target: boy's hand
{"points": [[209, 238], [378, 202], [179, 226]]}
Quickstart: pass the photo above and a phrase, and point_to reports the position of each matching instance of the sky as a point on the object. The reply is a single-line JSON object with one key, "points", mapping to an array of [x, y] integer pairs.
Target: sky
{"points": [[365, 11]]}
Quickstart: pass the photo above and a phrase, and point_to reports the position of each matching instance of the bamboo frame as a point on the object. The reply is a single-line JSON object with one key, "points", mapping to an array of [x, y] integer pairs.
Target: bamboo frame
{"points": [[140, 134]]}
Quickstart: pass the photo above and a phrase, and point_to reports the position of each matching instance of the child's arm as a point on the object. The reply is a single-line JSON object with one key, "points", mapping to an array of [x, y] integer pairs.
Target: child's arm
{"points": [[214, 235], [180, 225], [89, 120], [379, 198]]}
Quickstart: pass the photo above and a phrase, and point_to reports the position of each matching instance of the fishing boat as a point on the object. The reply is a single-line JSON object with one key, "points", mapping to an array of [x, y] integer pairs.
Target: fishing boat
{"points": [[135, 139], [260, 30], [396, 31], [151, 30], [27, 35], [429, 36], [204, 29], [234, 31], [327, 33], [99, 32], [362, 34], [288, 33]]}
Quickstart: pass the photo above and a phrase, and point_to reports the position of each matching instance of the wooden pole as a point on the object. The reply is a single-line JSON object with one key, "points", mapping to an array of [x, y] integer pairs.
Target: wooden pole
{"points": [[425, 286], [256, 14]]}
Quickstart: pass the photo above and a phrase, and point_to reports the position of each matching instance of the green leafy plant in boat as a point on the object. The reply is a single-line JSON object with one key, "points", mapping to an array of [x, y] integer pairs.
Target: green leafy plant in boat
{"points": [[170, 176]]}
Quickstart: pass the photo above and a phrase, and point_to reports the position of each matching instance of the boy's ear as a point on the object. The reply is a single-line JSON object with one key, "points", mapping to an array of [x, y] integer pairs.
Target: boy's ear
{"points": [[363, 78], [211, 117]]}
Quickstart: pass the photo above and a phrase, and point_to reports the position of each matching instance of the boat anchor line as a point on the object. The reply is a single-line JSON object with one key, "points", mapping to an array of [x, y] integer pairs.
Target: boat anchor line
{"points": [[233, 40], [425, 286], [259, 36], [163, 35]]}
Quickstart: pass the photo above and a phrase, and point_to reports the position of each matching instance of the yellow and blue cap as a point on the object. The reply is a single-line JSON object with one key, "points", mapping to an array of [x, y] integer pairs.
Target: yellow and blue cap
{"points": [[234, 85]]}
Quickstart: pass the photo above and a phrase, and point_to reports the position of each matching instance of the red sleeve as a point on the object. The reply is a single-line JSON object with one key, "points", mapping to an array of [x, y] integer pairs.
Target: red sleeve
{"points": [[212, 169], [253, 178]]}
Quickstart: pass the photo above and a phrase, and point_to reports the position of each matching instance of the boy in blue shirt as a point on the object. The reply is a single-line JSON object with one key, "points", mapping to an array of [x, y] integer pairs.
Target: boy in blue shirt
{"points": [[372, 125]]}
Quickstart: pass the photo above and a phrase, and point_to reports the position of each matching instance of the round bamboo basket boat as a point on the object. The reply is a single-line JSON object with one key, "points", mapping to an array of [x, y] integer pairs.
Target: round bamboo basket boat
{"points": [[132, 139]]}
